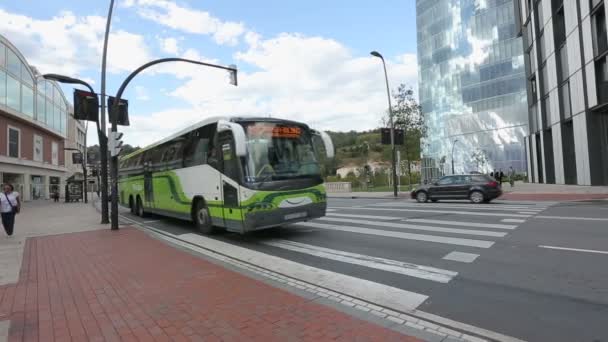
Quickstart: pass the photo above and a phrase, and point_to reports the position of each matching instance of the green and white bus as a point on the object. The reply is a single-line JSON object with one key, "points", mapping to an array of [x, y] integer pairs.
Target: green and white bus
{"points": [[242, 174]]}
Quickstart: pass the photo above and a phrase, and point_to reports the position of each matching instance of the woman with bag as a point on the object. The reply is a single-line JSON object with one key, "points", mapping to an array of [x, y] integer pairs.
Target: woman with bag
{"points": [[10, 205]]}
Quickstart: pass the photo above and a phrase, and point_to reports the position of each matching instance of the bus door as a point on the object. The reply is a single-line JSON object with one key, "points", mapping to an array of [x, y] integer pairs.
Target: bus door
{"points": [[233, 220], [148, 186]]}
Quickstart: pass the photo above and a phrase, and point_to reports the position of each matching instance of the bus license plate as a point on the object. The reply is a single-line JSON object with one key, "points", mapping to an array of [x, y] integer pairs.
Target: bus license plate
{"points": [[295, 216]]}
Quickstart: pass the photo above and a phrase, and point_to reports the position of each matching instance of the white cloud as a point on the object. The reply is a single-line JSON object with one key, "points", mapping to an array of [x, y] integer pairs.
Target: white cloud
{"points": [[68, 44], [141, 93], [311, 79], [190, 20], [169, 45]]}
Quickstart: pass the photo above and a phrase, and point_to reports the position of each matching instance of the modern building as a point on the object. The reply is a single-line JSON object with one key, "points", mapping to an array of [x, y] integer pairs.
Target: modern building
{"points": [[472, 86], [566, 49], [34, 117]]}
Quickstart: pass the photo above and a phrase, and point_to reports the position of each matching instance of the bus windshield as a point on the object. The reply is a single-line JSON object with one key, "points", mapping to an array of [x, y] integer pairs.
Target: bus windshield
{"points": [[278, 151]]}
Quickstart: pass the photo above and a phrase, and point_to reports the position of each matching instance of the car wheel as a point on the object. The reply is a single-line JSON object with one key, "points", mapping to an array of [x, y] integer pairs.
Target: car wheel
{"points": [[421, 197], [476, 197], [201, 217], [139, 208], [434, 200]]}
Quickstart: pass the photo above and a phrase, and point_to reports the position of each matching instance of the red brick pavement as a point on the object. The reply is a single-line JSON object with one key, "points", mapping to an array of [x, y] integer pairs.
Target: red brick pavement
{"points": [[125, 285]]}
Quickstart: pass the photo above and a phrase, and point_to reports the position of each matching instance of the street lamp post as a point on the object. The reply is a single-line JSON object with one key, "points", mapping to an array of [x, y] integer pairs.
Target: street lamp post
{"points": [[390, 115], [114, 119], [453, 144], [103, 142]]}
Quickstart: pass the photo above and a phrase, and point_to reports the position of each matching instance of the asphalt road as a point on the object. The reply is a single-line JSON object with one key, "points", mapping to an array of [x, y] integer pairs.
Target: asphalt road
{"points": [[478, 264]]}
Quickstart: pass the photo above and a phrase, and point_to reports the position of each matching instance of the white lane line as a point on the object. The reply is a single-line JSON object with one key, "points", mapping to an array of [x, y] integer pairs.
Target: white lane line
{"points": [[373, 292], [329, 210], [461, 212], [571, 218], [459, 206], [369, 291], [465, 224], [574, 249], [152, 221], [528, 212], [409, 269], [415, 227], [401, 235], [512, 221], [383, 218], [461, 257]]}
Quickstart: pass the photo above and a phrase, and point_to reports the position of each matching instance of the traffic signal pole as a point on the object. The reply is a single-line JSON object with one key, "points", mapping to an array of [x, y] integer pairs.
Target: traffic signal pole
{"points": [[103, 141]]}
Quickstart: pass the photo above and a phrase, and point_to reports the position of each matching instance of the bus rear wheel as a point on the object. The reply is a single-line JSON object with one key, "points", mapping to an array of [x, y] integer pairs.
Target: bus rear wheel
{"points": [[201, 217], [139, 208]]}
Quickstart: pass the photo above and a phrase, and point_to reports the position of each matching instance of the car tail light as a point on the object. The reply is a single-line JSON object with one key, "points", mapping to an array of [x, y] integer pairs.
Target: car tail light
{"points": [[492, 184]]}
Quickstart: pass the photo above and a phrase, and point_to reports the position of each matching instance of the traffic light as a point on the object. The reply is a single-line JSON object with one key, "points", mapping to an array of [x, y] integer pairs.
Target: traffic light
{"points": [[385, 136], [86, 105], [233, 79], [114, 143], [123, 111]]}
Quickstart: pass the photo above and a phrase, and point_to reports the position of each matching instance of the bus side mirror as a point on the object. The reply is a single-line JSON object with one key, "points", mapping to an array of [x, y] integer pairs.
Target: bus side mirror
{"points": [[329, 145], [238, 134]]}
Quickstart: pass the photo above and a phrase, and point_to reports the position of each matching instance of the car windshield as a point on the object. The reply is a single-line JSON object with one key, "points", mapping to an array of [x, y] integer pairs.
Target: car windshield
{"points": [[279, 151]]}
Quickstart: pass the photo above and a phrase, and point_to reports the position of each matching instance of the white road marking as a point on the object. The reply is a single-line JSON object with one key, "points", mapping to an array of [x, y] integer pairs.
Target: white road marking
{"points": [[383, 218], [366, 290], [473, 213], [330, 210], [415, 227], [461, 257], [401, 235], [409, 269], [575, 249], [513, 221], [376, 293], [465, 224], [571, 218], [152, 221], [460, 206], [527, 212]]}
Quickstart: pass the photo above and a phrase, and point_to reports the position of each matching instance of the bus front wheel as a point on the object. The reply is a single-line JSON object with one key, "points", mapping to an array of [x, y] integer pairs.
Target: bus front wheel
{"points": [[202, 218]]}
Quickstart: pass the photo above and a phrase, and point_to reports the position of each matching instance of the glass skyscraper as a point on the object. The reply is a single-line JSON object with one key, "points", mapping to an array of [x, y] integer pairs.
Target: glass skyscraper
{"points": [[472, 85]]}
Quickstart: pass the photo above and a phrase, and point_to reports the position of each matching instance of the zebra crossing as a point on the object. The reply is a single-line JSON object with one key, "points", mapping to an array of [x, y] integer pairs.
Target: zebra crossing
{"points": [[489, 224]]}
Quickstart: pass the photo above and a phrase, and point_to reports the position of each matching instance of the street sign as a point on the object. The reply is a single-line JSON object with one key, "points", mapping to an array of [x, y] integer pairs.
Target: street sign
{"points": [[123, 111], [86, 105], [77, 158]]}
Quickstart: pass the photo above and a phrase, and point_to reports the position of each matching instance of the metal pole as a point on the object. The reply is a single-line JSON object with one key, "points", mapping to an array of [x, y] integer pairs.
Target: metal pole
{"points": [[103, 141], [453, 144], [390, 113], [114, 119], [84, 165]]}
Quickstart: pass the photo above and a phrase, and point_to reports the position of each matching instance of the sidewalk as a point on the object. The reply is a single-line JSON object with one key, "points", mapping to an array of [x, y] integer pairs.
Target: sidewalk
{"points": [[103, 285], [520, 192]]}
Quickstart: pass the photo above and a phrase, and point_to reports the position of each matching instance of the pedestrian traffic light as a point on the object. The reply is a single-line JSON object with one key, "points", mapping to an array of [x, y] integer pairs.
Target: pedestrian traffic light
{"points": [[114, 143], [86, 105], [385, 136], [233, 78], [399, 137], [122, 118]]}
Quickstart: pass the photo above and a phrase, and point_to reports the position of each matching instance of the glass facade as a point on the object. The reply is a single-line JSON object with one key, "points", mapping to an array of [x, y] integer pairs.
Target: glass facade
{"points": [[472, 84], [34, 98]]}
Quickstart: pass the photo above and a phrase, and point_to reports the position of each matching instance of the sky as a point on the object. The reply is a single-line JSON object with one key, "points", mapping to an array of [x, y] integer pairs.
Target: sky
{"points": [[302, 60]]}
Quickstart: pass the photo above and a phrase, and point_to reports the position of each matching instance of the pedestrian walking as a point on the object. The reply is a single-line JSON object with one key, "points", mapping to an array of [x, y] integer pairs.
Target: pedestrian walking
{"points": [[10, 205], [511, 176], [500, 176]]}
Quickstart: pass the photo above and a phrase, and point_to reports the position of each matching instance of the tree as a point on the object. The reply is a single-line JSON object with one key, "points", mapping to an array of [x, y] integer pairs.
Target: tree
{"points": [[407, 115], [480, 158]]}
